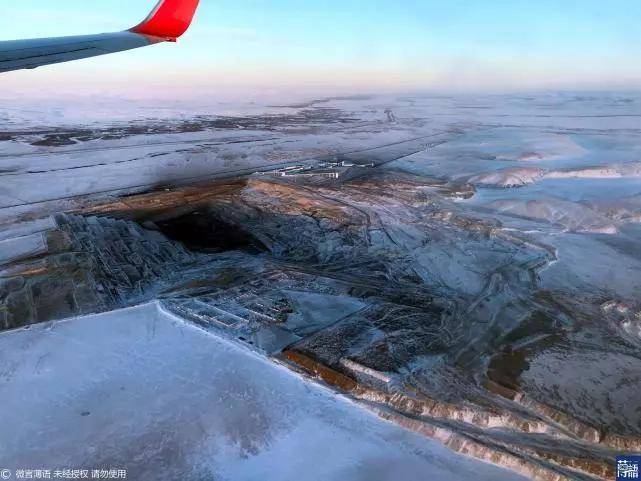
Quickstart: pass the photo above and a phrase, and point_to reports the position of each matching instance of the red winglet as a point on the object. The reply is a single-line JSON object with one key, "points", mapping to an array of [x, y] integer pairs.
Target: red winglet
{"points": [[170, 19]]}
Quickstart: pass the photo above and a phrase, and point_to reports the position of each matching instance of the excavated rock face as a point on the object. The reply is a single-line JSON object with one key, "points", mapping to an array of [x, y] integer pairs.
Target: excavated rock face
{"points": [[383, 286], [464, 281], [89, 264]]}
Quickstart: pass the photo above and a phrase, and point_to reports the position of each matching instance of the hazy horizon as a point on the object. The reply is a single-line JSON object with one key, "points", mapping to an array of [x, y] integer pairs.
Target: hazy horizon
{"points": [[331, 47]]}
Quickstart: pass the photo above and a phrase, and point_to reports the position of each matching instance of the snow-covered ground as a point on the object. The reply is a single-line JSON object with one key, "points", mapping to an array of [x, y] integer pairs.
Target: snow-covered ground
{"points": [[552, 141], [141, 390]]}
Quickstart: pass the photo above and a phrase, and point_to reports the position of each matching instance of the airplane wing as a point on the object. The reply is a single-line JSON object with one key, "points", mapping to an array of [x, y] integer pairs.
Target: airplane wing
{"points": [[168, 21]]}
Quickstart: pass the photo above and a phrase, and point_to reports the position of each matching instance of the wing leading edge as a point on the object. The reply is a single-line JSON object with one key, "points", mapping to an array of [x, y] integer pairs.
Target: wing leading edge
{"points": [[168, 21]]}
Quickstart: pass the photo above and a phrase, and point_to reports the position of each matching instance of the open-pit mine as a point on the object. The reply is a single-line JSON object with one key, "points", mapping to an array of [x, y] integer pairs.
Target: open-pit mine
{"points": [[420, 287]]}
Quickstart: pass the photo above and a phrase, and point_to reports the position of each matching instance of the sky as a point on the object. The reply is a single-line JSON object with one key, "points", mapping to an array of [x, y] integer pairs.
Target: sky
{"points": [[264, 47]]}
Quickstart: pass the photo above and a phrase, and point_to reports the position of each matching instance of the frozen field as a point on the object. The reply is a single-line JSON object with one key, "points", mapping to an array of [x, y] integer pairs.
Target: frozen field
{"points": [[141, 390]]}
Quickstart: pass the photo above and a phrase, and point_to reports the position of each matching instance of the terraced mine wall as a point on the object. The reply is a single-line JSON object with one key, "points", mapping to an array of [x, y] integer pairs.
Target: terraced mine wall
{"points": [[382, 286]]}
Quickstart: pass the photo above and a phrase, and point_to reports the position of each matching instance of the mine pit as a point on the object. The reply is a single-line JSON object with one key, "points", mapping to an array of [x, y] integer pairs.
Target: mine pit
{"points": [[201, 231], [471, 278], [373, 291]]}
